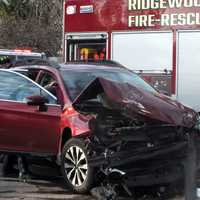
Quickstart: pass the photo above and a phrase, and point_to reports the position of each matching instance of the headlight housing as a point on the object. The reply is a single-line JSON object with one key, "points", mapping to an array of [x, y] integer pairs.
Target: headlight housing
{"points": [[190, 118]]}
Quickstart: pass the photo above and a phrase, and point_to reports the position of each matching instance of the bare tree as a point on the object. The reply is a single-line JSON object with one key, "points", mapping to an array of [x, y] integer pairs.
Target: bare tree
{"points": [[31, 23]]}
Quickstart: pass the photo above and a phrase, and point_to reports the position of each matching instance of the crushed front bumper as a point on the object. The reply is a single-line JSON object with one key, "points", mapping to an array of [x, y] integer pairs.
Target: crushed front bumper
{"points": [[146, 167]]}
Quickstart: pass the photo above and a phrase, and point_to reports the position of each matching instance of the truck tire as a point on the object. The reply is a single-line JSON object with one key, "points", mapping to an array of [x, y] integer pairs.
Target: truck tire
{"points": [[75, 168]]}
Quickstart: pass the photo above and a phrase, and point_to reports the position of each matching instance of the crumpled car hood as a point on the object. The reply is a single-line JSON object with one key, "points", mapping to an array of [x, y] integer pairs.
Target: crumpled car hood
{"points": [[133, 101]]}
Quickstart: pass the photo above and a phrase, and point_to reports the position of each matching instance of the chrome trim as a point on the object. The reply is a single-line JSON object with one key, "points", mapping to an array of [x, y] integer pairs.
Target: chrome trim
{"points": [[23, 102]]}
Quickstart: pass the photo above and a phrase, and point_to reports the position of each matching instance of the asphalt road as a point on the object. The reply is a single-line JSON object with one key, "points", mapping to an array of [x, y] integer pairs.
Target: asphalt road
{"points": [[11, 188], [46, 185]]}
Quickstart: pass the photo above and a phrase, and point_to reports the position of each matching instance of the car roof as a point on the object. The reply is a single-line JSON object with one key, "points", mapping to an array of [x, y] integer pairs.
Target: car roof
{"points": [[45, 64], [75, 67]]}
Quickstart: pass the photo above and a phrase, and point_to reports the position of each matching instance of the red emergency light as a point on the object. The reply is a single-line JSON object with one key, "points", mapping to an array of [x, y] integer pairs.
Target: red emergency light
{"points": [[23, 50]]}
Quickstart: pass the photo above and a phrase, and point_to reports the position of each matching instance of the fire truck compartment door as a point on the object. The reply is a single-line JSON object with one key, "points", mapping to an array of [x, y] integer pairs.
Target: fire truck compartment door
{"points": [[188, 68], [143, 50]]}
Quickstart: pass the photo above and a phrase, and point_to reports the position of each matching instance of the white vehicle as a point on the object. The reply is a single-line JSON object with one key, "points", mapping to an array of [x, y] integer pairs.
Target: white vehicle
{"points": [[9, 57]]}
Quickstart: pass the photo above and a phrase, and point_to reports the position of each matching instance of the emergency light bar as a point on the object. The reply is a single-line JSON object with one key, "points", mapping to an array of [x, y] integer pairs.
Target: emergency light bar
{"points": [[19, 52], [23, 50]]}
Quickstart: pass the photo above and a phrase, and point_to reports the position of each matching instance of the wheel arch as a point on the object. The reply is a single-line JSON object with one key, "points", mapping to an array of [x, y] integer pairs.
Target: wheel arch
{"points": [[65, 136]]}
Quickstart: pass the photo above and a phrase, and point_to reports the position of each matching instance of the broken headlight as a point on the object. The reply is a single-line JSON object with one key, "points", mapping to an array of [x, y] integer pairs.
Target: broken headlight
{"points": [[189, 118]]}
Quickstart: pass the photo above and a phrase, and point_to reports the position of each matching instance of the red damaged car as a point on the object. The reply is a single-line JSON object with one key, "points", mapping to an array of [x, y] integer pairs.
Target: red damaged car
{"points": [[95, 121]]}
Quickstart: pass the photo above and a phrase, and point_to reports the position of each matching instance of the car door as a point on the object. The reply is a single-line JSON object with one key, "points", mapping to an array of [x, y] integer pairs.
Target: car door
{"points": [[22, 127]]}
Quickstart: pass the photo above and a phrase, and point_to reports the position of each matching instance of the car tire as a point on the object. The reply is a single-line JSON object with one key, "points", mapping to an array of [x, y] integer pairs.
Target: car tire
{"points": [[77, 172]]}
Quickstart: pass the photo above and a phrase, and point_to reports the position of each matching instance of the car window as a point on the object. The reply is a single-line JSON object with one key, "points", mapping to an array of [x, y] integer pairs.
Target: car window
{"points": [[6, 60], [46, 80], [28, 57], [49, 83], [17, 88], [30, 73]]}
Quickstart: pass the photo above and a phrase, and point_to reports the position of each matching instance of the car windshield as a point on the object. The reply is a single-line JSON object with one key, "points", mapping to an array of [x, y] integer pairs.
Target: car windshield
{"points": [[76, 81]]}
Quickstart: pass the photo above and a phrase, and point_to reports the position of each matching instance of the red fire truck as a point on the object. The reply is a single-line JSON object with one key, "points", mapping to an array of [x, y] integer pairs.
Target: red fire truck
{"points": [[148, 36]]}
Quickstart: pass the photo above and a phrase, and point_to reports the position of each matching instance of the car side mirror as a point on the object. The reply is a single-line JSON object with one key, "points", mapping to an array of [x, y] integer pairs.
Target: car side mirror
{"points": [[37, 100]]}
